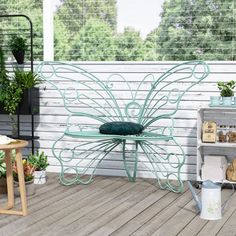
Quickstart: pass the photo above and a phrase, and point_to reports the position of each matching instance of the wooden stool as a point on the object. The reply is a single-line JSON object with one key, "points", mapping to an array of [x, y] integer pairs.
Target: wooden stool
{"points": [[18, 145]]}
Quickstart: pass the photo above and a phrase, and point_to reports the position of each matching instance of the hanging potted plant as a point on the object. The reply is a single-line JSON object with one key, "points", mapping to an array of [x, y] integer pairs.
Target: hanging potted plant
{"points": [[226, 92], [40, 163], [18, 47], [28, 170]]}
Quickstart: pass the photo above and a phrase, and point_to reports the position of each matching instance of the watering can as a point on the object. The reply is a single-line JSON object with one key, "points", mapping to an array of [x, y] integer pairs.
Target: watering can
{"points": [[210, 203]]}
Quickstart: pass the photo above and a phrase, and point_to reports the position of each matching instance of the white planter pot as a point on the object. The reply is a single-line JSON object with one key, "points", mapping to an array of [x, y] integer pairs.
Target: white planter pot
{"points": [[40, 177]]}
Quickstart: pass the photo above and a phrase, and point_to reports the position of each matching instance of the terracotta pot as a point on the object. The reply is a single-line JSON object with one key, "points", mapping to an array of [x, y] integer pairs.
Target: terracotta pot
{"points": [[29, 186]]}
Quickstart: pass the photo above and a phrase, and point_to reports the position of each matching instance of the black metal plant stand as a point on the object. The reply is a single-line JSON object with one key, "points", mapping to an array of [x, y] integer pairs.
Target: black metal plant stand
{"points": [[30, 109]]}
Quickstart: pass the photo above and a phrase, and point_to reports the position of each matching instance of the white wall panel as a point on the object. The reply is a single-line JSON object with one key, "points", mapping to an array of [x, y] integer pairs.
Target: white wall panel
{"points": [[50, 124]]}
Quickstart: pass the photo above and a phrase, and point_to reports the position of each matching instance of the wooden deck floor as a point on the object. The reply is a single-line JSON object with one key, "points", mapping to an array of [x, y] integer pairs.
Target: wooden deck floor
{"points": [[113, 206]]}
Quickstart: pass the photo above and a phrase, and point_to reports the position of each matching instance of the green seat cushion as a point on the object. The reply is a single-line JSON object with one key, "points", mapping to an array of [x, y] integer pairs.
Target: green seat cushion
{"points": [[121, 128]]}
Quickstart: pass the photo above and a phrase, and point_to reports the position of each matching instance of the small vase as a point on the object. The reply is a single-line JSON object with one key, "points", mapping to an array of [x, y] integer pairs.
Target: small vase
{"points": [[29, 187], [39, 177]]}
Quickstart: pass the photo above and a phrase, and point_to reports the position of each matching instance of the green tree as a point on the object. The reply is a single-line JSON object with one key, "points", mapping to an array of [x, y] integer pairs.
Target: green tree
{"points": [[72, 16], [130, 46], [31, 8], [197, 29], [62, 42], [151, 46], [94, 42]]}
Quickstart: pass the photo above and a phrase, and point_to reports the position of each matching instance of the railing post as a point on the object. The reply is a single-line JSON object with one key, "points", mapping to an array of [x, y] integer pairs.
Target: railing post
{"points": [[48, 31]]}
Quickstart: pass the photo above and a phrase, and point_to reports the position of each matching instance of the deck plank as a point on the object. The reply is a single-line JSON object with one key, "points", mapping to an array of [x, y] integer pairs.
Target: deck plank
{"points": [[39, 205], [128, 215], [132, 225], [113, 206], [196, 224], [156, 222], [109, 211], [64, 214], [213, 227]]}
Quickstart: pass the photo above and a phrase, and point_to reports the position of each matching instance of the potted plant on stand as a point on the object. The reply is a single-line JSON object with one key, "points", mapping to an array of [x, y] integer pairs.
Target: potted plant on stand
{"points": [[29, 178], [18, 47], [15, 92], [226, 92], [40, 163]]}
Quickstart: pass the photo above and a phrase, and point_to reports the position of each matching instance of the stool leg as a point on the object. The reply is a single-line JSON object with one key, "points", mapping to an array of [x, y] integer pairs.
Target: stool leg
{"points": [[21, 181], [9, 177]]}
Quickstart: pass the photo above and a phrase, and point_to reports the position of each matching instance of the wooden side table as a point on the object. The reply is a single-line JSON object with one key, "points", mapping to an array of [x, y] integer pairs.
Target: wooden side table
{"points": [[18, 145]]}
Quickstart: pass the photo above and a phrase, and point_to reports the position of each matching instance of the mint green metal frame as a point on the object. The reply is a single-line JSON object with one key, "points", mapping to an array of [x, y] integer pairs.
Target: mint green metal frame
{"points": [[95, 146]]}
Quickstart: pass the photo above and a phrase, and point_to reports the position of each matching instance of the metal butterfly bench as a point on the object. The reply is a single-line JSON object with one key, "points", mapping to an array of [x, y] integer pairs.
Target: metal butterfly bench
{"points": [[92, 102]]}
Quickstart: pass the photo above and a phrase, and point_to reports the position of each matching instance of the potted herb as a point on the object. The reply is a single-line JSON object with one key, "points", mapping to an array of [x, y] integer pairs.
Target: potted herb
{"points": [[226, 92], [28, 170], [3, 182], [18, 47], [40, 163]]}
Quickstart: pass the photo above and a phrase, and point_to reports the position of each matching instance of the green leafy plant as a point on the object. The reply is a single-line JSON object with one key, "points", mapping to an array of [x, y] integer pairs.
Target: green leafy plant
{"points": [[226, 88], [38, 160], [26, 79], [13, 94], [17, 44], [3, 76], [2, 165], [12, 87]]}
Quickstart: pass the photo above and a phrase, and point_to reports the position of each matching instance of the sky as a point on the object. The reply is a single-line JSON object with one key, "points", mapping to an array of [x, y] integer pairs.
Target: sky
{"points": [[143, 15]]}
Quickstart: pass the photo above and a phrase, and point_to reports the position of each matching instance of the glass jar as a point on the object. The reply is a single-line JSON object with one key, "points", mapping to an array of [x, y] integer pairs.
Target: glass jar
{"points": [[222, 134], [232, 134]]}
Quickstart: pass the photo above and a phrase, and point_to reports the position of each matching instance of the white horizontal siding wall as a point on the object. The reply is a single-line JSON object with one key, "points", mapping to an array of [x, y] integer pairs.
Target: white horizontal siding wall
{"points": [[50, 124]]}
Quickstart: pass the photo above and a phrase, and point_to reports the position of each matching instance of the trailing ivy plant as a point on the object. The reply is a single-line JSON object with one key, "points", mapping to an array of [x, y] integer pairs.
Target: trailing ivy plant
{"points": [[4, 82], [12, 97]]}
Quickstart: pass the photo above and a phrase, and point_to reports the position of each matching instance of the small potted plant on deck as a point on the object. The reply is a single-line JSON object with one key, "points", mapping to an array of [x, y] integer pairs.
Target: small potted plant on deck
{"points": [[40, 163], [226, 92], [28, 170], [18, 47]]}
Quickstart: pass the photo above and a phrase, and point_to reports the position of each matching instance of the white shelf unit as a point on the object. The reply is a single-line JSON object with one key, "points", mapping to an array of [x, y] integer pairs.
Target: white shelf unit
{"points": [[222, 116]]}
